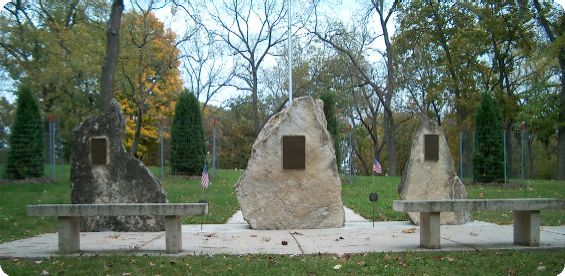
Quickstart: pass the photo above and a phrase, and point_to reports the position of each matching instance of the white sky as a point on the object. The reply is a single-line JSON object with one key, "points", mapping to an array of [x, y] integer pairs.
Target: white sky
{"points": [[343, 9]]}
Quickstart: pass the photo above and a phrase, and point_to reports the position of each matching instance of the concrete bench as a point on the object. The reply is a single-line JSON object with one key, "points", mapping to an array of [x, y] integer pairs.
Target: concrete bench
{"points": [[69, 219], [525, 212]]}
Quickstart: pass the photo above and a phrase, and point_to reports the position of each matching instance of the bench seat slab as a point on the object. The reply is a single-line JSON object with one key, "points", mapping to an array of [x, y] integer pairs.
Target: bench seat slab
{"points": [[526, 227], [69, 235], [429, 230]]}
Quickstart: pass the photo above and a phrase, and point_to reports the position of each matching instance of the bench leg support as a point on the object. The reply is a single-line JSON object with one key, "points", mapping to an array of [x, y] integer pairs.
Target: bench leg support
{"points": [[429, 230], [69, 235], [526, 227], [173, 234]]}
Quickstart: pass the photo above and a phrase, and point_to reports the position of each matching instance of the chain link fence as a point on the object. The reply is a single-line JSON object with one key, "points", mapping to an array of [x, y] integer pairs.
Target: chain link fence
{"points": [[525, 157], [53, 154]]}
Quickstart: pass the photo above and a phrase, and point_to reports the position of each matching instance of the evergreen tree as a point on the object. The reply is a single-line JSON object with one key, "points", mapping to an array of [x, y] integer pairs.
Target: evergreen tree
{"points": [[25, 155], [329, 110], [488, 158], [188, 148]]}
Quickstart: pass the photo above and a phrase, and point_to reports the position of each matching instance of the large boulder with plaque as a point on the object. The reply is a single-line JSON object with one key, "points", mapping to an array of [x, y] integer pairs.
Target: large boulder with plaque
{"points": [[430, 174], [291, 180], [103, 172]]}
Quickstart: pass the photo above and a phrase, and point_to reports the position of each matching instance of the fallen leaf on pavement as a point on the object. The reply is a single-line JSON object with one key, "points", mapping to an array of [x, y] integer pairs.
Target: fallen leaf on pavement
{"points": [[473, 234], [409, 230]]}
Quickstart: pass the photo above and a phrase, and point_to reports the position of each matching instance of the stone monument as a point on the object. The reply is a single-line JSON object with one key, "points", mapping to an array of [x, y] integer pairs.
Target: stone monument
{"points": [[291, 180], [103, 172], [429, 173]]}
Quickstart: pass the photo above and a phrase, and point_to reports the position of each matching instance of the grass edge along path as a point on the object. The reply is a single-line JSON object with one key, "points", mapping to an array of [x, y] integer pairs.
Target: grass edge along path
{"points": [[508, 262]]}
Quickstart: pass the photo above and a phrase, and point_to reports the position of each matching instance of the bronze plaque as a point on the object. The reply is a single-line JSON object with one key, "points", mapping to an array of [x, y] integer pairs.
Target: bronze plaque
{"points": [[294, 156], [98, 150], [431, 147]]}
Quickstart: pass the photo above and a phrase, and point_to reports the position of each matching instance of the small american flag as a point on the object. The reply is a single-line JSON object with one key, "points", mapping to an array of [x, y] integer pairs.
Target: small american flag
{"points": [[205, 180], [377, 168]]}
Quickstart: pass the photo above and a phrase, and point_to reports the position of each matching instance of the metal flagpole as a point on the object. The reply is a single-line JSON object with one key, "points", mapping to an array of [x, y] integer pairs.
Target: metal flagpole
{"points": [[289, 54]]}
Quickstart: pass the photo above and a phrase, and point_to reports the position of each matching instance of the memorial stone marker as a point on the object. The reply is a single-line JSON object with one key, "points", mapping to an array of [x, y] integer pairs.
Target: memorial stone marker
{"points": [[291, 180], [103, 172], [429, 173]]}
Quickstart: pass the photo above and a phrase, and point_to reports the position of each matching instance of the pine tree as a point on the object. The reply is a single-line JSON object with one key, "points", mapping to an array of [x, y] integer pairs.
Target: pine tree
{"points": [[488, 158], [329, 110], [25, 155], [188, 148]]}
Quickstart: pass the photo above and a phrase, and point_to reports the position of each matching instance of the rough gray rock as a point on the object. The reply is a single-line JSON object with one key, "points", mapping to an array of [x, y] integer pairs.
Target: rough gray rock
{"points": [[123, 179], [432, 180], [271, 197]]}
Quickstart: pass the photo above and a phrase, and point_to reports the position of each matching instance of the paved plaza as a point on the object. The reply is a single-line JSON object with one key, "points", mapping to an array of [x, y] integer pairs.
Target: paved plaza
{"points": [[235, 238]]}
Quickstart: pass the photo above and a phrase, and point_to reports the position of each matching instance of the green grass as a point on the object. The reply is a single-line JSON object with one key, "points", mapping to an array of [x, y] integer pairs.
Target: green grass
{"points": [[222, 202], [532, 189], [15, 224], [356, 197], [422, 263]]}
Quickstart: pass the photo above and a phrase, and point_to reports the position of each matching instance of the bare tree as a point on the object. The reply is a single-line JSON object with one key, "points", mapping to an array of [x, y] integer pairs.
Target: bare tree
{"points": [[207, 71], [250, 30], [354, 44]]}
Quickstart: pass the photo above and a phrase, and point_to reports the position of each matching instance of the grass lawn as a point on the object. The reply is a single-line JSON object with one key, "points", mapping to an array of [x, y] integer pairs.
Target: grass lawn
{"points": [[356, 197], [15, 224], [423, 263]]}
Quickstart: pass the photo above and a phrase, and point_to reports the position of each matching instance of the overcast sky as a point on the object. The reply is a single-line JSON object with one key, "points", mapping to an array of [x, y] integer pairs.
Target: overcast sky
{"points": [[343, 9]]}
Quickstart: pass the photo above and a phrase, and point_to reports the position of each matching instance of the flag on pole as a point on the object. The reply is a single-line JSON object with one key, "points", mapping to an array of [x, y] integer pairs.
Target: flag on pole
{"points": [[205, 180], [377, 168]]}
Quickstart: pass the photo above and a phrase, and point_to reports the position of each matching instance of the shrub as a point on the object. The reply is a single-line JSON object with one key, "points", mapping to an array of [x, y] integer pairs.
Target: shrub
{"points": [[329, 110], [25, 153], [188, 148], [488, 156]]}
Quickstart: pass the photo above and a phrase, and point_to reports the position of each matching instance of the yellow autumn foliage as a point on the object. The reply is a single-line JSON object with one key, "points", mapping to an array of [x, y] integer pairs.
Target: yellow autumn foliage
{"points": [[147, 79]]}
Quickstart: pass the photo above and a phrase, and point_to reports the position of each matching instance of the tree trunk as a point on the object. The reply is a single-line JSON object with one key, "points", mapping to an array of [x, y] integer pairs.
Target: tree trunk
{"points": [[255, 104], [389, 129], [137, 135], [530, 172], [389, 126], [561, 124], [112, 54]]}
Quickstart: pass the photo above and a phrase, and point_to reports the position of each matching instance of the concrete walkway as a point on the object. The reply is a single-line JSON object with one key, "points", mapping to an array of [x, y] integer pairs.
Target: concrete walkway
{"points": [[350, 216], [237, 238]]}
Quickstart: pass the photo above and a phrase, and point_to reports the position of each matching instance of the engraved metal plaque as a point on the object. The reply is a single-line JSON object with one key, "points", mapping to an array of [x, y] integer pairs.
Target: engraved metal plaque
{"points": [[98, 150], [294, 152], [431, 147]]}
